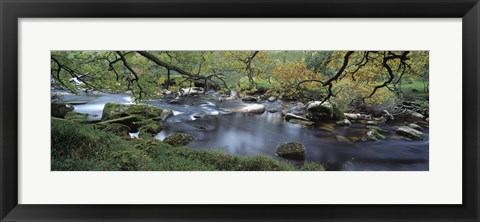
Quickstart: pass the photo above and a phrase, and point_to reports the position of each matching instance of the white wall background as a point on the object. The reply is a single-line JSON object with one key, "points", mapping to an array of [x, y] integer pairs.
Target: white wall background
{"points": [[441, 185]]}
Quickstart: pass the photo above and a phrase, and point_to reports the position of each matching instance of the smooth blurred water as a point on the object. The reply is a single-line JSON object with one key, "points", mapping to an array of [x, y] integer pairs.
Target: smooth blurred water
{"points": [[215, 127]]}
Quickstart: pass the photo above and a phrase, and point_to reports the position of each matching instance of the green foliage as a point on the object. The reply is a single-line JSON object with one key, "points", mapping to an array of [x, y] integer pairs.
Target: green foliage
{"points": [[82, 147], [373, 78]]}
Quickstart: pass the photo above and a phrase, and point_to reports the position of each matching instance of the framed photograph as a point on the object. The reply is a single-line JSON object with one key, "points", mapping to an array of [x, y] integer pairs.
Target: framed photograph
{"points": [[225, 110]]}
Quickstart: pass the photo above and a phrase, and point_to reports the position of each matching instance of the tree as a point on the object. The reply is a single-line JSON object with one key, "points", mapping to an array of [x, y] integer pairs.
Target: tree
{"points": [[348, 77]]}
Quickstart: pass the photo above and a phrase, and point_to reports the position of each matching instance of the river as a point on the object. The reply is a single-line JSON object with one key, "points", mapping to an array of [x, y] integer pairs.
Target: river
{"points": [[215, 127]]}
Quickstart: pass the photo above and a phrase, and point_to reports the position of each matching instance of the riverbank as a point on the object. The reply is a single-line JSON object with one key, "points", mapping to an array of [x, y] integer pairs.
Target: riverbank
{"points": [[82, 147]]}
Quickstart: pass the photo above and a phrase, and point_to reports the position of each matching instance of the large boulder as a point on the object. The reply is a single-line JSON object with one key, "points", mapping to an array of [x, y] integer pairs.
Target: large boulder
{"points": [[179, 139], [410, 133], [133, 121], [59, 109], [149, 128], [166, 113], [117, 110], [318, 111], [293, 150]]}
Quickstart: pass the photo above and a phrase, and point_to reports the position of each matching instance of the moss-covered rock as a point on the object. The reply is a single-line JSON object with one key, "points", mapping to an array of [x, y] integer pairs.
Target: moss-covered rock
{"points": [[130, 121], [117, 110], [179, 139], [415, 126], [410, 133], [118, 129], [318, 111], [374, 135], [166, 113], [293, 150], [77, 117], [149, 128], [59, 109]]}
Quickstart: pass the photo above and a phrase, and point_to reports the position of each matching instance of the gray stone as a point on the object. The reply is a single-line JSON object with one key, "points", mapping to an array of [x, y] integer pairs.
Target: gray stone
{"points": [[410, 133], [293, 150]]}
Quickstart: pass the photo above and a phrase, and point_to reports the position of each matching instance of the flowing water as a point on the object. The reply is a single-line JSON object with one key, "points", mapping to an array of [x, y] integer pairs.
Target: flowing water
{"points": [[215, 127]]}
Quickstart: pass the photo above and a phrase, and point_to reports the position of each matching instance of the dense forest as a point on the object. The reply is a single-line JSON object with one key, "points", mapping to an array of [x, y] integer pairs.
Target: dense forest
{"points": [[372, 89]]}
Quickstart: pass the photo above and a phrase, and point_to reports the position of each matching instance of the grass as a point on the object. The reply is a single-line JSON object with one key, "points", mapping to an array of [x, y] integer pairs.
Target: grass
{"points": [[82, 147], [414, 90]]}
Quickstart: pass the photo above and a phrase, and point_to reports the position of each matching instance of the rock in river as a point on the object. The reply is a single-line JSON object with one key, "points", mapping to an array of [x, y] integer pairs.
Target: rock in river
{"points": [[250, 99], [293, 150], [374, 135], [117, 110], [415, 126], [415, 114], [150, 127], [179, 139], [166, 113], [252, 108], [410, 133], [318, 111]]}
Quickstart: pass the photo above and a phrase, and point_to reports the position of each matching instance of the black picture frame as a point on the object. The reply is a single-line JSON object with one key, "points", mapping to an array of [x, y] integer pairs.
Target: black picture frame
{"points": [[11, 11]]}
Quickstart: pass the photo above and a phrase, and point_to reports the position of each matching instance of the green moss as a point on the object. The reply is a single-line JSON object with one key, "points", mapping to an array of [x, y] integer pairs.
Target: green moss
{"points": [[149, 128], [130, 121], [77, 117], [378, 135], [374, 134], [117, 110], [118, 129], [294, 150], [82, 147], [324, 111], [179, 139]]}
